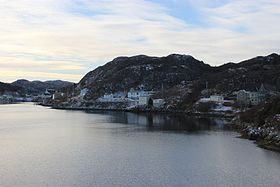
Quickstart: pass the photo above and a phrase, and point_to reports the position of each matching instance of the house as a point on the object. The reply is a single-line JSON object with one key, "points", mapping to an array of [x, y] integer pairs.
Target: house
{"points": [[108, 97], [242, 97], [256, 98], [158, 103], [143, 100], [217, 98], [135, 94], [120, 95], [113, 97], [249, 98], [213, 98]]}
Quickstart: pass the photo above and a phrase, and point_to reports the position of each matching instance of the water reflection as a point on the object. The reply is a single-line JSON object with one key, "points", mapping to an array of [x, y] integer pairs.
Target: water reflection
{"points": [[166, 122], [46, 147]]}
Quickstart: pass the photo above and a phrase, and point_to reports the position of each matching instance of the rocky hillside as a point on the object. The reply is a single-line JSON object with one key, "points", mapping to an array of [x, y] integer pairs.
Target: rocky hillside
{"points": [[179, 78], [35, 87], [150, 73], [249, 75]]}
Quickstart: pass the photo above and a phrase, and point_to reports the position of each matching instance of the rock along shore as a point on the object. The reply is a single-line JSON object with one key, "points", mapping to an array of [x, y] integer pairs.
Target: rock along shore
{"points": [[266, 136]]}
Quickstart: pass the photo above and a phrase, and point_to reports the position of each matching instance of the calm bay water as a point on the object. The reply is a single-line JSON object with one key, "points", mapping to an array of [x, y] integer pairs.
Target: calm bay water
{"points": [[46, 147]]}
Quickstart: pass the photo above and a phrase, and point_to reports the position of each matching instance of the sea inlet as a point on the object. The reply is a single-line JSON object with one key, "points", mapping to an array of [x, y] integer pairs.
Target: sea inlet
{"points": [[40, 146]]}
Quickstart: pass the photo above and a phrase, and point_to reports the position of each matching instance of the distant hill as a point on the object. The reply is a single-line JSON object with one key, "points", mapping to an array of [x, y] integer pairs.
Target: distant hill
{"points": [[35, 87]]}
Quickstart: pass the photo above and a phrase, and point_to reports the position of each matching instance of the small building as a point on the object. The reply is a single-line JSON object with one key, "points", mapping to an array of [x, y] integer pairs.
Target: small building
{"points": [[135, 94], [249, 98], [144, 100], [242, 97], [58, 96], [158, 103], [256, 98], [113, 97], [108, 97], [213, 98], [217, 98], [120, 95]]}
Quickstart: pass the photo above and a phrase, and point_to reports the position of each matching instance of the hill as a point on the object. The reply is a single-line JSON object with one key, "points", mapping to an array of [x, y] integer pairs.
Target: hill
{"points": [[180, 79], [149, 73], [36, 87], [248, 75], [5, 87]]}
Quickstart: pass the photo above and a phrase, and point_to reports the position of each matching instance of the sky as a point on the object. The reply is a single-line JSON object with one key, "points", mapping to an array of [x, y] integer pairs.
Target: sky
{"points": [[65, 39]]}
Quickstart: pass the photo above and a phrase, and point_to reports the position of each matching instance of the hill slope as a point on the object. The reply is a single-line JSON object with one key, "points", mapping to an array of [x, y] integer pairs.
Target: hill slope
{"points": [[150, 73], [35, 87], [5, 87], [249, 75], [179, 78]]}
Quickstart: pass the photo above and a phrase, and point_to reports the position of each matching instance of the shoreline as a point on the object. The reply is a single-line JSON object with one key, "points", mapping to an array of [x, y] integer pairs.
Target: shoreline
{"points": [[266, 141], [151, 111]]}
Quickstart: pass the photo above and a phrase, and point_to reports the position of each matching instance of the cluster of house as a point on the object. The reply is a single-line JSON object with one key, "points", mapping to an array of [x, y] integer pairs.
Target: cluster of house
{"points": [[242, 97], [247, 98], [141, 97], [133, 98]]}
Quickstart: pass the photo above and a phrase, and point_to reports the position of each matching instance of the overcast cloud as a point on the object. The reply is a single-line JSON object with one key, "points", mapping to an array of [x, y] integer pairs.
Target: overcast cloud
{"points": [[64, 39]]}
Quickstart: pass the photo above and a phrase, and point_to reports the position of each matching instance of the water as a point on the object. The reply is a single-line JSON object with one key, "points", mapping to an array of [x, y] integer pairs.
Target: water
{"points": [[45, 147]]}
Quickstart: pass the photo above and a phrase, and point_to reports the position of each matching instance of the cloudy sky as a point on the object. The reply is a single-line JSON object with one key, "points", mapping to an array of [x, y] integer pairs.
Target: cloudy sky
{"points": [[64, 39]]}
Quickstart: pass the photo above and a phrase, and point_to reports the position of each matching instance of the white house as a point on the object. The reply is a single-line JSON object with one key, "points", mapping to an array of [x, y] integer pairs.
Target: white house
{"points": [[108, 96], [143, 100], [116, 97], [217, 98], [135, 94], [158, 103]]}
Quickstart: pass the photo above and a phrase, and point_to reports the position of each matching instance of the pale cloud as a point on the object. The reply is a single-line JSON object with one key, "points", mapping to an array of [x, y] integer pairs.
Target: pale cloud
{"points": [[36, 75], [50, 39]]}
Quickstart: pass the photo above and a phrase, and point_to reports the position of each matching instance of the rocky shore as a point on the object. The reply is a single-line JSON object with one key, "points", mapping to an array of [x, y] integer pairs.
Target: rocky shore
{"points": [[148, 110], [266, 136]]}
